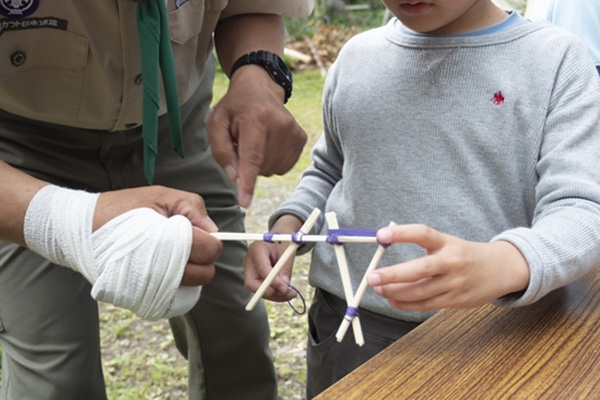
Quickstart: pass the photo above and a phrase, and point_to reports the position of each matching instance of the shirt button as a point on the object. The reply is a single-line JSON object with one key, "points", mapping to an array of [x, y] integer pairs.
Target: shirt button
{"points": [[138, 79], [17, 58]]}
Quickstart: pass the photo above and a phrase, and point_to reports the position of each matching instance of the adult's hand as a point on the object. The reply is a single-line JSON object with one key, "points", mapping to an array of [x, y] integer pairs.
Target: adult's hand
{"points": [[250, 130], [252, 133], [137, 247], [168, 202], [18, 189]]}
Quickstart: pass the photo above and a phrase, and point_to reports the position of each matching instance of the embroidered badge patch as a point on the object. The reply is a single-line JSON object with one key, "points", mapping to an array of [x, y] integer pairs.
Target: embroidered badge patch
{"points": [[498, 98], [8, 24], [16, 9]]}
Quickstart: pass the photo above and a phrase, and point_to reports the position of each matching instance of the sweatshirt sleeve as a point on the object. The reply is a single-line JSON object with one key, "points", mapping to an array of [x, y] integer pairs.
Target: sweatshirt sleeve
{"points": [[563, 242], [324, 173]]}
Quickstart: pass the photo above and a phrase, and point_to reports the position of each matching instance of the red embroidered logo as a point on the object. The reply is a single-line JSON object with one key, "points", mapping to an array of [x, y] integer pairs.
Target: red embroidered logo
{"points": [[498, 99]]}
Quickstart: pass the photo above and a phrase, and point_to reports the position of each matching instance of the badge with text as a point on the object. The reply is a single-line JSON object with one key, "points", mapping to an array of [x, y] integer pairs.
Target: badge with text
{"points": [[16, 9]]}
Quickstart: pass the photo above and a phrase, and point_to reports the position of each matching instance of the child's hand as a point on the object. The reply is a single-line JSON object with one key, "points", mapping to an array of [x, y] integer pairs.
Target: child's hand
{"points": [[259, 261], [261, 258], [455, 273]]}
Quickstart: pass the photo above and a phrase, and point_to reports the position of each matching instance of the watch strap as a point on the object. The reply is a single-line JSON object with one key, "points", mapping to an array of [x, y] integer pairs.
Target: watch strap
{"points": [[274, 65]]}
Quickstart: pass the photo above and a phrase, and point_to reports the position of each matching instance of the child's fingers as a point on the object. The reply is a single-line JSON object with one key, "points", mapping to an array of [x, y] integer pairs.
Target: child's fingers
{"points": [[258, 264], [407, 272], [422, 235]]}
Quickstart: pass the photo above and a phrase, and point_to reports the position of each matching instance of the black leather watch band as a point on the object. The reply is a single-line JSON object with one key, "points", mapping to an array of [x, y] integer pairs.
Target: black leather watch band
{"points": [[274, 66]]}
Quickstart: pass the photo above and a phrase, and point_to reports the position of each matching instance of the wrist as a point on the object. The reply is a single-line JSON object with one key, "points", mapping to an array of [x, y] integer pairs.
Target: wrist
{"points": [[255, 81], [287, 223], [516, 268], [272, 64], [53, 218]]}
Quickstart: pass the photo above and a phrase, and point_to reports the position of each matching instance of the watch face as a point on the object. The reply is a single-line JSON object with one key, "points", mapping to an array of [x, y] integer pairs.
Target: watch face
{"points": [[276, 64], [284, 69]]}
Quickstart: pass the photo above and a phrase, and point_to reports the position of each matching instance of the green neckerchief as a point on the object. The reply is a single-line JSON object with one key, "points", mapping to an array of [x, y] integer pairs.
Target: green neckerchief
{"points": [[155, 42]]}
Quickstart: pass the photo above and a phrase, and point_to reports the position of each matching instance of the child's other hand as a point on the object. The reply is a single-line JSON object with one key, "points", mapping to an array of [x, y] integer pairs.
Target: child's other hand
{"points": [[259, 262], [455, 273]]}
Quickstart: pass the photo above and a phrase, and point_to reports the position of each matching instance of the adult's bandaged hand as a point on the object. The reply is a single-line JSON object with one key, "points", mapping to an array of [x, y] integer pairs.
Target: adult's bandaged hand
{"points": [[135, 260]]}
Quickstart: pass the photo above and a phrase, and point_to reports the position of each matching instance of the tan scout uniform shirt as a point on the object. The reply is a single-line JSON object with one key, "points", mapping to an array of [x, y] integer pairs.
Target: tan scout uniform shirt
{"points": [[77, 62]]}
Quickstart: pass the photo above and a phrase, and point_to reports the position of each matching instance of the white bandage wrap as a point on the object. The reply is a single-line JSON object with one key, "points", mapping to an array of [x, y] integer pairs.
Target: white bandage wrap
{"points": [[134, 261]]}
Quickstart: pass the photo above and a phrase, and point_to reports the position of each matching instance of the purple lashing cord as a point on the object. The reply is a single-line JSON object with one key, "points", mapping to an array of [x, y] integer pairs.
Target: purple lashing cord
{"points": [[268, 237], [297, 237], [334, 234], [351, 312]]}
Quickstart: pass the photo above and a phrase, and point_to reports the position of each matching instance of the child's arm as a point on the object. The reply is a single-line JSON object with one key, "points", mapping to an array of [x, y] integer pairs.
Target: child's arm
{"points": [[262, 256], [455, 273], [557, 246]]}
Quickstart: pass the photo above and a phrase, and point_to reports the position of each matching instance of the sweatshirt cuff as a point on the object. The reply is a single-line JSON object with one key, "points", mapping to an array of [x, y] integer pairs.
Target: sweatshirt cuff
{"points": [[534, 291]]}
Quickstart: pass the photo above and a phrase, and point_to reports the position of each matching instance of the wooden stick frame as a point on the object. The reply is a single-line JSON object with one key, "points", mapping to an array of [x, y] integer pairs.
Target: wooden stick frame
{"points": [[289, 252], [340, 255], [353, 300], [360, 292]]}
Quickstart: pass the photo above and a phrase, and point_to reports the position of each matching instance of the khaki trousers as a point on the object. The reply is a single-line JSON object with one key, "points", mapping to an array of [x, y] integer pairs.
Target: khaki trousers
{"points": [[48, 320]]}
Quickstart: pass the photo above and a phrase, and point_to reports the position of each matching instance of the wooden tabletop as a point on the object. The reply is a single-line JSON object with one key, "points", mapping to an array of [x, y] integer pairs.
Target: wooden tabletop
{"points": [[548, 350]]}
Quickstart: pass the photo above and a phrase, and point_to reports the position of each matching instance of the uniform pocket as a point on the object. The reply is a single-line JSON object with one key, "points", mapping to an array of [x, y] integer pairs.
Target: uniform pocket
{"points": [[185, 19], [42, 71]]}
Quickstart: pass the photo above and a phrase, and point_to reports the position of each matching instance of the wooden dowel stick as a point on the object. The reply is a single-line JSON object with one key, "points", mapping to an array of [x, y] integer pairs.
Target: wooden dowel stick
{"points": [[332, 223], [360, 292], [287, 254], [286, 237]]}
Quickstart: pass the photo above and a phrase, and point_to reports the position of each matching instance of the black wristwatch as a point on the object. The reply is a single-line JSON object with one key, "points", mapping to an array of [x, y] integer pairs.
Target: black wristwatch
{"points": [[273, 64]]}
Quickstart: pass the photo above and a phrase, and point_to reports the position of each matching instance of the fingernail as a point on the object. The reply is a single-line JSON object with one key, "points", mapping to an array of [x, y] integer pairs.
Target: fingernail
{"points": [[283, 289], [231, 172], [374, 279], [384, 235], [245, 200]]}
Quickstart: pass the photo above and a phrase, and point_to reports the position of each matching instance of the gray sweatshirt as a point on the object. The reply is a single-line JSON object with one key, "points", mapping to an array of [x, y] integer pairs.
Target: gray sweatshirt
{"points": [[486, 138]]}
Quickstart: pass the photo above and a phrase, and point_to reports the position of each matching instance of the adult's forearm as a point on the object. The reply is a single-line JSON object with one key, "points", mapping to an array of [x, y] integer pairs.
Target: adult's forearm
{"points": [[17, 190], [241, 34]]}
